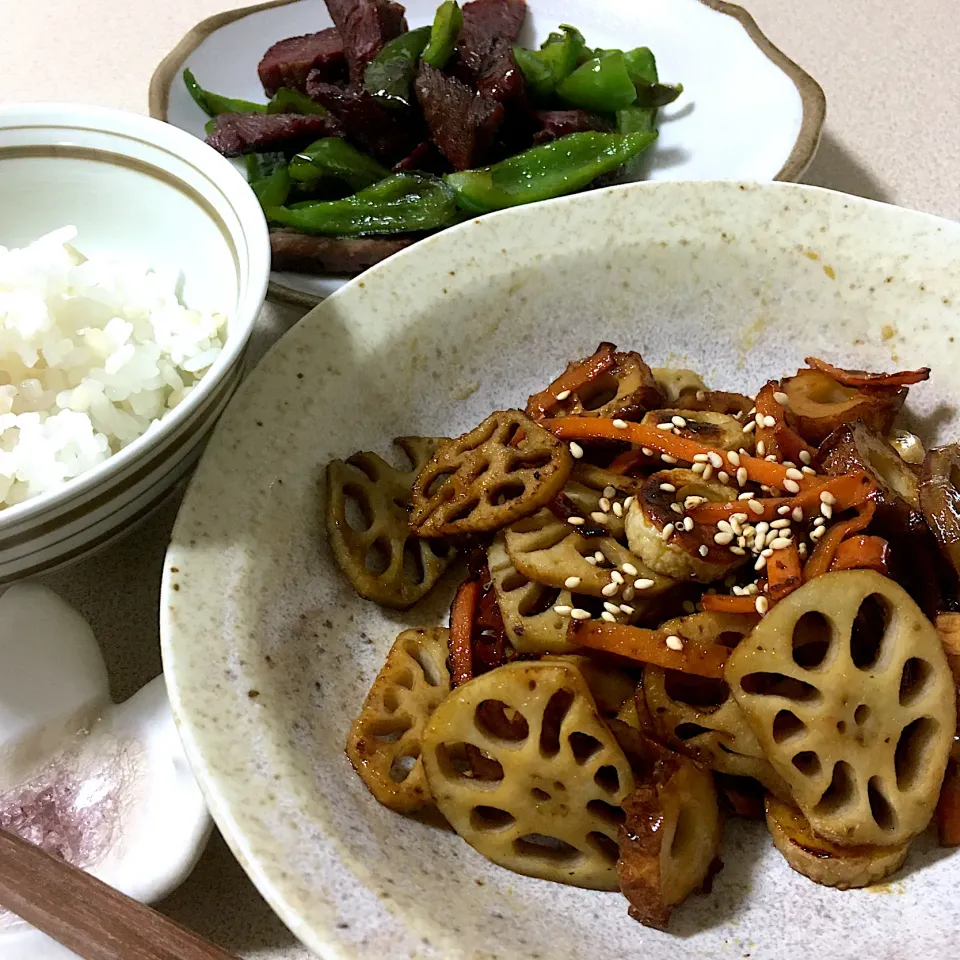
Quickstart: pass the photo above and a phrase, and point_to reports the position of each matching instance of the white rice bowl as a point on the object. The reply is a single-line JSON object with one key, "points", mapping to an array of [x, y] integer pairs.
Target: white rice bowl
{"points": [[93, 353]]}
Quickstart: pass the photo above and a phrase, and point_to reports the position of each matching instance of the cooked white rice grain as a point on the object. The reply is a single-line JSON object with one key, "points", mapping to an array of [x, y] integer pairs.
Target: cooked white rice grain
{"points": [[92, 354]]}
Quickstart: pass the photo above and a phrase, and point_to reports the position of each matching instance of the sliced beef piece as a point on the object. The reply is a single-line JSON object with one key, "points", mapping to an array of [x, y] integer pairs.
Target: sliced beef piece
{"points": [[388, 133], [288, 63], [560, 123], [365, 26], [462, 123], [490, 30], [304, 254], [237, 133], [426, 157]]}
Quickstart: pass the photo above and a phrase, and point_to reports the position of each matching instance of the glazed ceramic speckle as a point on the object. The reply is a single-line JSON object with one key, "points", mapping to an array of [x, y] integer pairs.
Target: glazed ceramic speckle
{"points": [[268, 652]]}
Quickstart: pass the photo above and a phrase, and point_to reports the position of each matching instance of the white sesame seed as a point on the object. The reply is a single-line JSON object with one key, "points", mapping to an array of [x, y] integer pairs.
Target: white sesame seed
{"points": [[667, 532], [617, 509], [571, 583], [674, 643], [576, 451], [627, 502], [609, 492], [666, 458], [826, 510], [750, 426], [620, 424], [827, 497], [644, 583], [715, 459], [599, 556], [563, 394], [608, 617], [723, 538], [598, 517], [789, 463], [735, 526], [742, 476], [819, 521], [576, 521], [703, 550], [769, 421], [563, 609], [797, 514], [759, 542], [700, 395], [579, 614], [646, 451], [626, 608], [628, 593], [802, 550], [751, 411], [762, 527], [699, 467], [668, 488], [611, 607], [766, 552], [734, 458], [781, 398], [760, 564], [755, 506], [689, 606], [688, 524], [707, 471], [780, 543], [616, 576], [794, 474], [739, 551], [693, 501], [791, 486], [723, 477], [678, 421], [605, 504], [783, 511], [780, 524], [666, 425], [724, 525], [817, 532], [610, 589], [808, 471], [746, 496], [761, 448], [762, 605], [700, 458], [676, 508], [629, 569], [591, 560], [770, 458], [737, 591], [738, 518]]}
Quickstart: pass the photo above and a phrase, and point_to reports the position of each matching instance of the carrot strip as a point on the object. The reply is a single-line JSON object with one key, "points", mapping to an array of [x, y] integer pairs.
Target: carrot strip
{"points": [[862, 553], [578, 374], [948, 808], [461, 629], [860, 378], [626, 461], [649, 646], [791, 444], [848, 490], [679, 448], [784, 573], [768, 407], [822, 557], [728, 603]]}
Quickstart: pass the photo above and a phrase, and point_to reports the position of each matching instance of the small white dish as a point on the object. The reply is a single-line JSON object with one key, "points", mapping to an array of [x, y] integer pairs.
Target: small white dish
{"points": [[106, 786], [747, 112], [130, 185]]}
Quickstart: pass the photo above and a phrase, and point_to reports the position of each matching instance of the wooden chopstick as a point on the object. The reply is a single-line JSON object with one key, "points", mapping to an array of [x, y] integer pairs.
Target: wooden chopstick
{"points": [[85, 915]]}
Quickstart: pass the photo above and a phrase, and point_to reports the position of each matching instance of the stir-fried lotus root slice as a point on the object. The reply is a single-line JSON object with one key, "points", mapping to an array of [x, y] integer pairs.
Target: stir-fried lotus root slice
{"points": [[674, 382], [847, 688], [589, 491], [384, 743], [521, 765], [670, 838], [825, 862], [378, 554], [546, 549], [684, 554], [506, 468], [717, 430], [699, 716]]}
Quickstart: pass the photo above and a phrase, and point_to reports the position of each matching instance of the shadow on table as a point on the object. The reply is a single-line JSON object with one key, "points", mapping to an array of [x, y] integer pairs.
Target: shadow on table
{"points": [[836, 168], [219, 902]]}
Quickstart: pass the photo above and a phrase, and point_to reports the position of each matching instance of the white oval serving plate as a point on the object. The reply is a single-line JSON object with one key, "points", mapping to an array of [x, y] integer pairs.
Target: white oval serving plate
{"points": [[747, 112], [268, 652]]}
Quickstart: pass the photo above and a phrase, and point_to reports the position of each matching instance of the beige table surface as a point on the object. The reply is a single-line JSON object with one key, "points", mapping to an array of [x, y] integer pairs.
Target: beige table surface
{"points": [[893, 134]]}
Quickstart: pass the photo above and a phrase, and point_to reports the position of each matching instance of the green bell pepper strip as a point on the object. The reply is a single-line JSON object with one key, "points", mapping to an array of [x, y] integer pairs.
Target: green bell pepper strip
{"points": [[334, 157], [641, 65], [212, 104], [273, 190], [601, 85], [260, 165], [286, 100], [552, 170], [544, 69], [658, 94], [390, 76], [402, 203], [444, 34]]}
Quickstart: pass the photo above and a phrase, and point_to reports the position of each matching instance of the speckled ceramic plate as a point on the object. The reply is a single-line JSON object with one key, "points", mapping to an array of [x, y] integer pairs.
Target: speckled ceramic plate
{"points": [[747, 112], [268, 652]]}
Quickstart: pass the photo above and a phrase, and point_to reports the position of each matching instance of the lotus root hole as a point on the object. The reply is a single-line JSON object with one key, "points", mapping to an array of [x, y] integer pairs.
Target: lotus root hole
{"points": [[687, 731], [464, 509], [607, 778], [684, 834], [869, 626], [356, 508], [391, 700], [438, 548], [808, 763], [786, 726], [464, 762], [431, 672], [532, 461], [913, 681], [779, 685], [556, 709], [862, 714], [496, 720], [404, 679], [606, 812], [434, 484], [541, 796], [491, 819], [841, 793], [881, 808], [730, 639], [389, 730], [538, 601], [513, 581], [550, 849], [505, 492], [598, 392], [812, 635], [695, 691], [366, 465], [584, 746], [841, 726], [413, 570], [604, 845], [912, 749], [402, 766], [377, 560]]}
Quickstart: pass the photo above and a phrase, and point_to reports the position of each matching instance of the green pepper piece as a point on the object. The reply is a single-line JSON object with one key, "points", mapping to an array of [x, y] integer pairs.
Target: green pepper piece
{"points": [[557, 58], [212, 104], [444, 34], [286, 100], [658, 94], [260, 165], [641, 65], [402, 203], [273, 190], [536, 73], [391, 74], [601, 85], [334, 157], [541, 173], [636, 119]]}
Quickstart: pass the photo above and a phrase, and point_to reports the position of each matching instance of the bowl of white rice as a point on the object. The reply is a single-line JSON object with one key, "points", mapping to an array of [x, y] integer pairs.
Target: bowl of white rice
{"points": [[133, 264]]}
